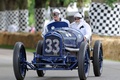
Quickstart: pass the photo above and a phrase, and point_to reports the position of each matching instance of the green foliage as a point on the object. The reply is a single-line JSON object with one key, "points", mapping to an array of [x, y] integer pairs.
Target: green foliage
{"points": [[86, 2], [47, 3], [11, 4], [67, 2], [110, 2], [83, 3], [6, 46], [12, 46], [22, 4], [2, 5], [60, 3], [31, 4]]}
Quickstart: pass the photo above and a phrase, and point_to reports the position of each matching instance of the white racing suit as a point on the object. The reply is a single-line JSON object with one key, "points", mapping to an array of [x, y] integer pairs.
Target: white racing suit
{"points": [[55, 24], [84, 28]]}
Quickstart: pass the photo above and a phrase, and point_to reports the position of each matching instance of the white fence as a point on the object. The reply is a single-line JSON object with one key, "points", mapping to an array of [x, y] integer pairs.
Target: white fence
{"points": [[105, 20]]}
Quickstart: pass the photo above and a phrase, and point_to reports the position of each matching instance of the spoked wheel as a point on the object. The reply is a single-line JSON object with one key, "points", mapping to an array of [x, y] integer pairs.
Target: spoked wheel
{"points": [[83, 61], [97, 58], [19, 61], [39, 48]]}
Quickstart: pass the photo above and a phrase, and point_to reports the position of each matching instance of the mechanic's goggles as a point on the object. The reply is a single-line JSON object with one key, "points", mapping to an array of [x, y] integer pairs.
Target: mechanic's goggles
{"points": [[55, 14], [77, 18]]}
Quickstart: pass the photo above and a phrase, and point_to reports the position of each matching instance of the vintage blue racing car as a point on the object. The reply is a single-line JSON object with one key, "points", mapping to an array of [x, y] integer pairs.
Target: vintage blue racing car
{"points": [[61, 49]]}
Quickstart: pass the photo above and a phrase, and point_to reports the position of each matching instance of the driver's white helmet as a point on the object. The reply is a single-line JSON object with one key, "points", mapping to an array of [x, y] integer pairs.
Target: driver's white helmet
{"points": [[78, 15], [56, 11]]}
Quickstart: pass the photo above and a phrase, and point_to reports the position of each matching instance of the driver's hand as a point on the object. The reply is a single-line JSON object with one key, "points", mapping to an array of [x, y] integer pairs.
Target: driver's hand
{"points": [[84, 38]]}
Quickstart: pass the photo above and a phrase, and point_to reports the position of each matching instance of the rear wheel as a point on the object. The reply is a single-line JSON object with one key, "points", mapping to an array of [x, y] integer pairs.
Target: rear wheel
{"points": [[83, 61], [39, 48], [19, 61], [97, 58]]}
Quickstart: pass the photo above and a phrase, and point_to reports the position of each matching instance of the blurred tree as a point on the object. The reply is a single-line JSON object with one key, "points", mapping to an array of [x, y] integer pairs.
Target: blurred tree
{"points": [[23, 4], [80, 3], [60, 3], [109, 2], [2, 5], [31, 5], [40, 3], [99, 1], [11, 4]]}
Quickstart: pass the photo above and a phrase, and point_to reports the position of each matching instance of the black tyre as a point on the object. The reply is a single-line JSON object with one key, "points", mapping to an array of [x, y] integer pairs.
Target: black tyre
{"points": [[19, 59], [83, 61], [39, 48], [97, 58]]}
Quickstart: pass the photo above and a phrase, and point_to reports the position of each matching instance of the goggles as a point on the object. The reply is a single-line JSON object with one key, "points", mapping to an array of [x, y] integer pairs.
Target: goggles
{"points": [[55, 14], [77, 18]]}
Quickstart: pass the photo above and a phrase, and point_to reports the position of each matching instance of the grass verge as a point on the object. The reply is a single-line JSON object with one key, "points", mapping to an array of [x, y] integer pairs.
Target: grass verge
{"points": [[12, 47]]}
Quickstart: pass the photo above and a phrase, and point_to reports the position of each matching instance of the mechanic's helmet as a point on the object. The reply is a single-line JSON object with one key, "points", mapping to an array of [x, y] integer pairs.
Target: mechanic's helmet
{"points": [[78, 16], [56, 12]]}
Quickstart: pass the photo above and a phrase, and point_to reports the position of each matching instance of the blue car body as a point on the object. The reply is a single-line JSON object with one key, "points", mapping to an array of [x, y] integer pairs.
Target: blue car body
{"points": [[63, 48], [59, 49]]}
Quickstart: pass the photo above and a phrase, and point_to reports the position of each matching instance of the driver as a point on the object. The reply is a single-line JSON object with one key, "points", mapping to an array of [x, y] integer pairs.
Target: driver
{"points": [[57, 22], [82, 25]]}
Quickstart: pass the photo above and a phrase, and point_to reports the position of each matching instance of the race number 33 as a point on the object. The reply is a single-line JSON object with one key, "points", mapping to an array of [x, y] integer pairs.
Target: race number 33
{"points": [[52, 45]]}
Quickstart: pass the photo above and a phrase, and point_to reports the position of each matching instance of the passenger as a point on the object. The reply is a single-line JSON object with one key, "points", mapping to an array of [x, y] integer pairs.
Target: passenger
{"points": [[57, 22], [82, 25]]}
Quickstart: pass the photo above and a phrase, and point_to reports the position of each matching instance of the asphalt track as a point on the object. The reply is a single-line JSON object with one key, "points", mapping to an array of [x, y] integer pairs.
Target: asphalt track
{"points": [[111, 70]]}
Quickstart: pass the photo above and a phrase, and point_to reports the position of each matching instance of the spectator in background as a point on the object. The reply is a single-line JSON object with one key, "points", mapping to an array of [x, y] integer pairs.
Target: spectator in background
{"points": [[12, 28]]}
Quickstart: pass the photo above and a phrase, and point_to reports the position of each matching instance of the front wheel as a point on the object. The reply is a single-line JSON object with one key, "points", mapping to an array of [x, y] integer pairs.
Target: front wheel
{"points": [[40, 73], [83, 61], [19, 59], [39, 48], [97, 58]]}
